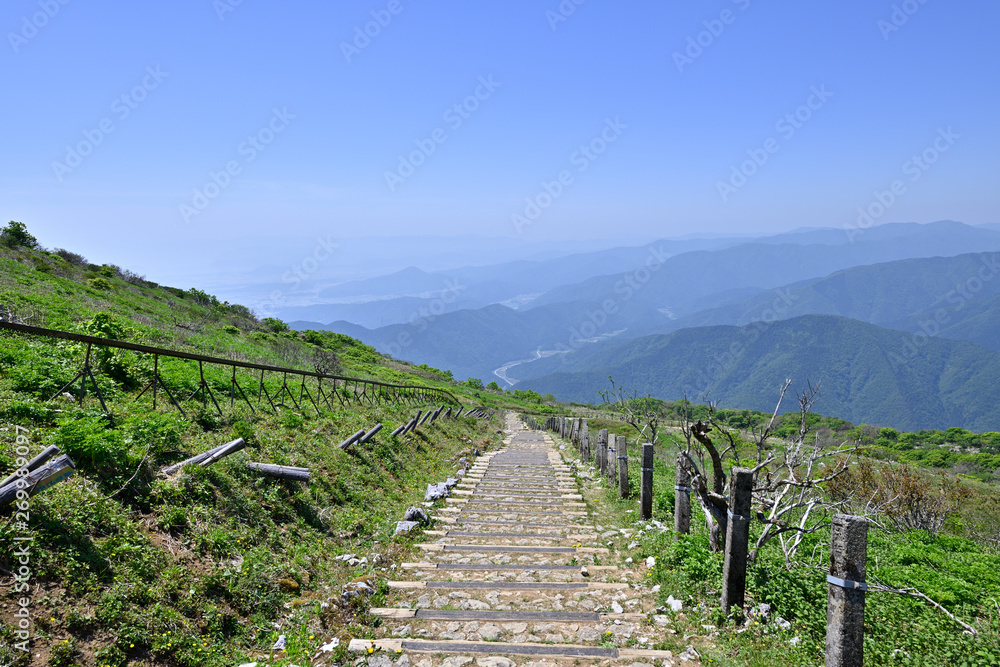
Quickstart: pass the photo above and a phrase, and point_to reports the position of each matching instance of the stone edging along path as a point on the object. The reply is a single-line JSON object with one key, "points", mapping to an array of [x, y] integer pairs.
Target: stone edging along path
{"points": [[517, 576]]}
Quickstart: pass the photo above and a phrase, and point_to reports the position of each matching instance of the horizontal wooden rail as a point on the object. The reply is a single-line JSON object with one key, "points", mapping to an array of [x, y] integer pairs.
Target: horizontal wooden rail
{"points": [[430, 392]]}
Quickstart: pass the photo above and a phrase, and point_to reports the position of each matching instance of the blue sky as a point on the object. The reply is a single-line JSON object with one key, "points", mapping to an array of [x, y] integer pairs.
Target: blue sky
{"points": [[201, 77]]}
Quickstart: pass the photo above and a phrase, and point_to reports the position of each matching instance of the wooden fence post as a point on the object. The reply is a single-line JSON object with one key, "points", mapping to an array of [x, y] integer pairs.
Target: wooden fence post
{"points": [[682, 499], [734, 569], [602, 448], [646, 490], [845, 606], [622, 447]]}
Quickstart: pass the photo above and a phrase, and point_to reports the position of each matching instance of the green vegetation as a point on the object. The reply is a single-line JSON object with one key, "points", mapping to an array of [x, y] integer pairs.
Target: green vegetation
{"points": [[206, 567], [959, 568], [867, 373]]}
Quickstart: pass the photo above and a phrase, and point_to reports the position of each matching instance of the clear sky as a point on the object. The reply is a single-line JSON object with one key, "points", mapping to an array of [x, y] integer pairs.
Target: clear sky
{"points": [[130, 125]]}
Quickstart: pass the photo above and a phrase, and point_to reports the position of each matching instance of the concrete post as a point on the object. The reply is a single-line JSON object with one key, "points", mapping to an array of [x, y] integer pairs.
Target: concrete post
{"points": [[646, 489], [682, 500], [845, 606], [622, 447], [734, 568]]}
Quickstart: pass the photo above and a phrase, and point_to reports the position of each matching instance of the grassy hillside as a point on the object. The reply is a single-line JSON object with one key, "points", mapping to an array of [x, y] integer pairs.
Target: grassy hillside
{"points": [[208, 566], [868, 374]]}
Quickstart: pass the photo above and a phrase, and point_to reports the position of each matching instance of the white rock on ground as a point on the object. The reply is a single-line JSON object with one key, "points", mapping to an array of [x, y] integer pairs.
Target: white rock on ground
{"points": [[495, 661], [379, 661], [690, 654], [405, 527]]}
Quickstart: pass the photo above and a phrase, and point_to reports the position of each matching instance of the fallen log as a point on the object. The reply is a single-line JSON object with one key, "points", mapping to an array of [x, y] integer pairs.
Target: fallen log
{"points": [[280, 472], [229, 448], [194, 460], [39, 479], [350, 441], [33, 464], [370, 434]]}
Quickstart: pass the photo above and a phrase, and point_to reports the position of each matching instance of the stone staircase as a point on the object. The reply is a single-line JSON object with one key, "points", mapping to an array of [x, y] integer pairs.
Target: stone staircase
{"points": [[517, 576]]}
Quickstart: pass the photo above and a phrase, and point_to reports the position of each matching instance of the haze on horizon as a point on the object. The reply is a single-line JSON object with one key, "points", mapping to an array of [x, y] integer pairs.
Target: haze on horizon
{"points": [[170, 137]]}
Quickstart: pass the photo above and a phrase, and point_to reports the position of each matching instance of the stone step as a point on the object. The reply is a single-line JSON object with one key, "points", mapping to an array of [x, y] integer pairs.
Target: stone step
{"points": [[491, 648], [500, 493], [507, 514], [509, 524], [507, 585], [497, 616], [505, 566], [497, 548], [518, 503], [575, 537]]}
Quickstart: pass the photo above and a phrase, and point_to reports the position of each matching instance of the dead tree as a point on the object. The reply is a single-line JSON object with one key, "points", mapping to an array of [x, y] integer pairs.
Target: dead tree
{"points": [[788, 478]]}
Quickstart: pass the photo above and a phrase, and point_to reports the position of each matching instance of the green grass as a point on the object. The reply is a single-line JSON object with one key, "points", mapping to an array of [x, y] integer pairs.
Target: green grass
{"points": [[958, 573], [128, 567]]}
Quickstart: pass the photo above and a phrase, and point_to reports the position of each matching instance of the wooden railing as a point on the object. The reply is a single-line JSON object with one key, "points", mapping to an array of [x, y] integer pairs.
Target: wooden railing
{"points": [[342, 388]]}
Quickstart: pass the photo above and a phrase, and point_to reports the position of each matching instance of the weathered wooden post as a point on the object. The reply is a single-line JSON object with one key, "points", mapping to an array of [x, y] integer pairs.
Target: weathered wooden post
{"points": [[734, 568], [33, 464], [585, 439], [646, 489], [612, 461], [39, 479], [344, 445], [222, 452], [280, 472], [370, 434], [602, 448], [682, 499], [845, 606], [622, 447]]}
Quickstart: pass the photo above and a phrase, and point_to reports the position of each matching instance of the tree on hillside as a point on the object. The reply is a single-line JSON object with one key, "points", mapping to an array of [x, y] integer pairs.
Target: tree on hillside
{"points": [[643, 413], [789, 475], [15, 234]]}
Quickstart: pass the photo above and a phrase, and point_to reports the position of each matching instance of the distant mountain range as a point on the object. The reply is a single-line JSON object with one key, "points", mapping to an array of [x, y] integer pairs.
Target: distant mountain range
{"points": [[562, 319], [868, 374]]}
